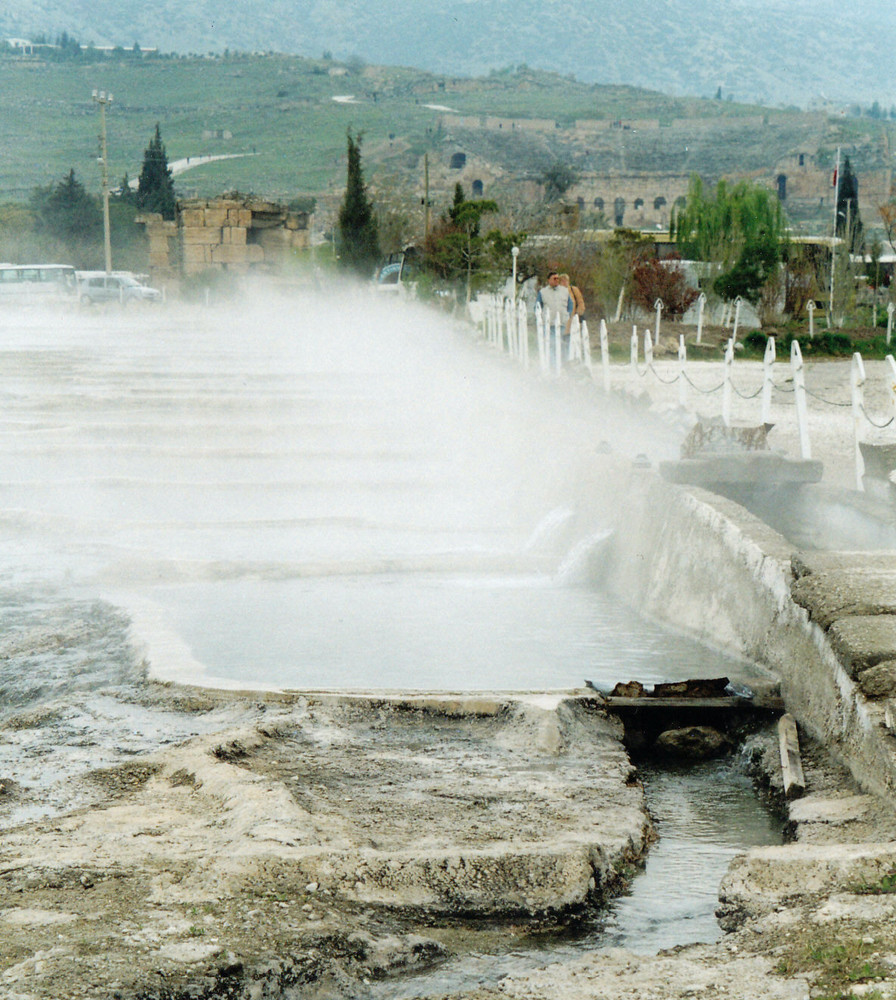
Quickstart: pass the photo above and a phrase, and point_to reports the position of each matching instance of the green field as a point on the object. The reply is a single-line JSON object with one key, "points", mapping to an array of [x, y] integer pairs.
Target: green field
{"points": [[279, 114]]}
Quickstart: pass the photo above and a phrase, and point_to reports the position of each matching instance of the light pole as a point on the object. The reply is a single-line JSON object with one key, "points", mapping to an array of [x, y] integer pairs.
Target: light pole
{"points": [[103, 99], [514, 252]]}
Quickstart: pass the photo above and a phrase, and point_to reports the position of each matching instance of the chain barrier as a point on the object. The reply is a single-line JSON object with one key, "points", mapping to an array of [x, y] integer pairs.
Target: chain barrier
{"points": [[880, 427], [705, 392], [827, 402], [743, 395], [659, 378]]}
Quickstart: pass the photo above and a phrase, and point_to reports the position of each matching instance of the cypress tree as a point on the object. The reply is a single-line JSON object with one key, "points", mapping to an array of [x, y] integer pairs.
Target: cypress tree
{"points": [[358, 237], [155, 190]]}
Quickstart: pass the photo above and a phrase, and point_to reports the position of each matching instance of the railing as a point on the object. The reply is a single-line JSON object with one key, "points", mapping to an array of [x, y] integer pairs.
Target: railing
{"points": [[506, 327]]}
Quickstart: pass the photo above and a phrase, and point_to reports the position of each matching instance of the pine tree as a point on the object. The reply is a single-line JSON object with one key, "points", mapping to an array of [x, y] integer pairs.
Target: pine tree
{"points": [[358, 237], [155, 190], [65, 210], [849, 222]]}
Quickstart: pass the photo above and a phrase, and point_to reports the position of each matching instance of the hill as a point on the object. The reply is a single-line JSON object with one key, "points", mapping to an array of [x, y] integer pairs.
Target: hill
{"points": [[771, 52], [275, 126]]}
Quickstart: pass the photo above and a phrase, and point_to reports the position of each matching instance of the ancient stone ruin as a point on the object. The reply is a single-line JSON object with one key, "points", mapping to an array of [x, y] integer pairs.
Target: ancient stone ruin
{"points": [[230, 233]]}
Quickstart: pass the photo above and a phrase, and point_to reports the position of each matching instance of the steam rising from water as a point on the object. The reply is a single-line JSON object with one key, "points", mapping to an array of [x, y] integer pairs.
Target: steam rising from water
{"points": [[230, 460]]}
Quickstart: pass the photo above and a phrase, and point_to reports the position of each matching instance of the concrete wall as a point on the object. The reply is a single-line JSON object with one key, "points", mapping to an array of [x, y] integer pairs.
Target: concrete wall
{"points": [[707, 566]]}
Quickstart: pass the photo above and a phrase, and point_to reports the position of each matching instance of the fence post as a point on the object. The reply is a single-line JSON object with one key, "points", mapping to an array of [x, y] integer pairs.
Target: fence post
{"points": [[892, 364], [605, 357], [558, 343], [522, 324], [543, 361], [574, 353], [658, 305], [726, 382], [682, 365], [648, 350], [768, 368], [799, 391], [499, 323], [586, 347], [737, 305], [810, 309], [891, 308], [701, 305], [634, 359], [857, 387]]}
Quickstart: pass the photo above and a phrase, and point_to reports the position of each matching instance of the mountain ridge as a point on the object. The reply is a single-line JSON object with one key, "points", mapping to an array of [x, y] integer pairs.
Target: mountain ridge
{"points": [[801, 53]]}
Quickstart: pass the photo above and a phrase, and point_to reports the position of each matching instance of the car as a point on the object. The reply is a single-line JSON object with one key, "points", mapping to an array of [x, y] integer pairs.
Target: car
{"points": [[117, 286]]}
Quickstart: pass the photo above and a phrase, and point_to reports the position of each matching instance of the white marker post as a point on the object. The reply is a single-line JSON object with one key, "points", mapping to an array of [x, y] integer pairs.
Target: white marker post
{"points": [[605, 355], [726, 382], [857, 389], [737, 305], [701, 305], [891, 308], [810, 309], [799, 391], [682, 366], [768, 368], [658, 305]]}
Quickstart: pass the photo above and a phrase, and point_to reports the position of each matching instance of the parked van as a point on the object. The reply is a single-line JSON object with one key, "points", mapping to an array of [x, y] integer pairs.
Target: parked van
{"points": [[36, 283], [118, 286]]}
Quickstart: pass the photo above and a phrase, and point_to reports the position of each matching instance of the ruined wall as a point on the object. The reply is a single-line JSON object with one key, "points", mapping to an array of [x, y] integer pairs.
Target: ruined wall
{"points": [[227, 233]]}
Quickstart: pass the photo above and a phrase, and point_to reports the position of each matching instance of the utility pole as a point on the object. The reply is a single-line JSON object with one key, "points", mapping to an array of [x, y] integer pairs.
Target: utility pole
{"points": [[103, 99]]}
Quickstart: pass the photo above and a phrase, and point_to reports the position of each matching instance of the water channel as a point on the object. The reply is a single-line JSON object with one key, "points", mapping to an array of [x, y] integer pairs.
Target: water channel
{"points": [[348, 497]]}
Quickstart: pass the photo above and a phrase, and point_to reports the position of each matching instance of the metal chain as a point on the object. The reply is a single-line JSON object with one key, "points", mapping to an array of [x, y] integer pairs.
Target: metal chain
{"points": [[873, 424]]}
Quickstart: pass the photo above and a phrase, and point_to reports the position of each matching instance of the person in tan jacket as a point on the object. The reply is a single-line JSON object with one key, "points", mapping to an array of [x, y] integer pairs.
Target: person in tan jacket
{"points": [[578, 301]]}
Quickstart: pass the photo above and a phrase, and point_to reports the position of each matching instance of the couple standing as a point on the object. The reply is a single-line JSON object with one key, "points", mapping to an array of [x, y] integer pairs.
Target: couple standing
{"points": [[560, 300]]}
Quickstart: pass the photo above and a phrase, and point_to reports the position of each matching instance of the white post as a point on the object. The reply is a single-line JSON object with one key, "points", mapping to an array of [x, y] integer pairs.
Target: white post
{"points": [[726, 382], [574, 352], [682, 365], [768, 369], [605, 356], [522, 326], [701, 305], [499, 323], [543, 361], [799, 390], [633, 368], [857, 387], [892, 363], [558, 343], [586, 346], [658, 305], [514, 253], [737, 304], [648, 349], [891, 308], [810, 309]]}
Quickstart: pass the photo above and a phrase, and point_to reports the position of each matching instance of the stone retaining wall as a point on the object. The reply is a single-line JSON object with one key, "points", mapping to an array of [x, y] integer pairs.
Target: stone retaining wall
{"points": [[706, 565]]}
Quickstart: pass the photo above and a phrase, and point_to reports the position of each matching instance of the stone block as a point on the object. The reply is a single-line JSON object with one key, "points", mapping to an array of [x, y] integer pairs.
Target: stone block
{"points": [[233, 234], [863, 641], [216, 216], [206, 235], [158, 244], [879, 681], [192, 217], [254, 253], [244, 217], [845, 593], [227, 253], [196, 253]]}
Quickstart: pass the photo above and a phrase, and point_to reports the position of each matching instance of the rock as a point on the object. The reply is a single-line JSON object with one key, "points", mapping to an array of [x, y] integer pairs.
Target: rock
{"points": [[697, 742], [878, 681]]}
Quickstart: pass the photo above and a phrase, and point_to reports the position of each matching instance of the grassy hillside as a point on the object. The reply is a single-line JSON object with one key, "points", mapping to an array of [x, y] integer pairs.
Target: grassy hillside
{"points": [[279, 114]]}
